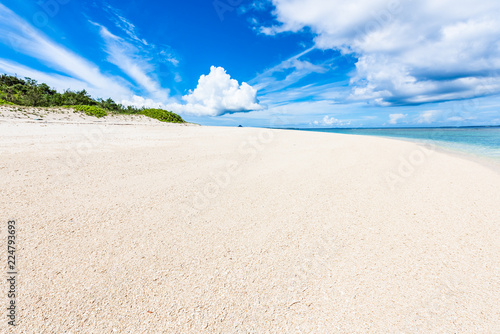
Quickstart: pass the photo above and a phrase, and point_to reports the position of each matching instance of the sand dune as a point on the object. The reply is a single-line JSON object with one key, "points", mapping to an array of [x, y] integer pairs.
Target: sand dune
{"points": [[151, 228]]}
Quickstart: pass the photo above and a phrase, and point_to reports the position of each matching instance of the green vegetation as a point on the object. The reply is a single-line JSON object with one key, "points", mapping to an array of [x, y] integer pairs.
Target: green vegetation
{"points": [[162, 115], [91, 110], [6, 102], [27, 92]]}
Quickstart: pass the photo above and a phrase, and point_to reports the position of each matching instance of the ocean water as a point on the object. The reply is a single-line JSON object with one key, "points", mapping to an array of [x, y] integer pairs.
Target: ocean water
{"points": [[479, 141]]}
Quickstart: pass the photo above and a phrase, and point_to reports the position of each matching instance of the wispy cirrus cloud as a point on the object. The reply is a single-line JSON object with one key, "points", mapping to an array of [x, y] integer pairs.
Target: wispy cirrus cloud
{"points": [[24, 38], [123, 24], [137, 57], [59, 82], [80, 73], [289, 81], [294, 68], [160, 53], [127, 57]]}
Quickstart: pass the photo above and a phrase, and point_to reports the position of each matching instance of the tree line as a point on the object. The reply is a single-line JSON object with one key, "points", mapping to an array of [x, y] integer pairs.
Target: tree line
{"points": [[28, 92]]}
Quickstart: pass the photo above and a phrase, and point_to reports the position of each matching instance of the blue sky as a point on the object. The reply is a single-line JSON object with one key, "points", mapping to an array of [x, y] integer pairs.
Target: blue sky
{"points": [[281, 63]]}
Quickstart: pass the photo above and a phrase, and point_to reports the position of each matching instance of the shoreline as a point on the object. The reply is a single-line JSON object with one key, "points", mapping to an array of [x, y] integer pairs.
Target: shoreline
{"points": [[65, 116], [438, 145]]}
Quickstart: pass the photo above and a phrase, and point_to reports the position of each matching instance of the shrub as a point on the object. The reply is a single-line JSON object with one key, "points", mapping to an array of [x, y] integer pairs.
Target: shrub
{"points": [[2, 101], [91, 110], [162, 115]]}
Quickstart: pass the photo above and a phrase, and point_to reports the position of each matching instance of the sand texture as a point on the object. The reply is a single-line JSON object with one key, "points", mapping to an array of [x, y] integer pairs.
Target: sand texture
{"points": [[155, 228]]}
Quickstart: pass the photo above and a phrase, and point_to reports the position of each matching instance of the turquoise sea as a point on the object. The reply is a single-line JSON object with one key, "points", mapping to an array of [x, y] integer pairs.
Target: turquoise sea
{"points": [[480, 141]]}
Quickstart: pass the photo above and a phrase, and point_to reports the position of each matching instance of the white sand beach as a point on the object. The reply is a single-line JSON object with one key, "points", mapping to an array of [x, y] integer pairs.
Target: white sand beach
{"points": [[146, 227]]}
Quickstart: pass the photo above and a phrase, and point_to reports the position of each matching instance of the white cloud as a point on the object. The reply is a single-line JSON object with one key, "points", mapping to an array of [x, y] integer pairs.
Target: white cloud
{"points": [[332, 121], [124, 55], [139, 101], [428, 116], [25, 39], [169, 58], [409, 52], [394, 118], [284, 83], [444, 116], [266, 82], [58, 82], [218, 94], [125, 25], [79, 73], [148, 50], [432, 116]]}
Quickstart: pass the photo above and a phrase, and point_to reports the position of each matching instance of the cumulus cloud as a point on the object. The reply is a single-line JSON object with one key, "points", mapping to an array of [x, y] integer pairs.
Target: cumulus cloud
{"points": [[139, 101], [218, 94], [443, 116], [428, 116], [394, 118], [409, 52], [328, 121]]}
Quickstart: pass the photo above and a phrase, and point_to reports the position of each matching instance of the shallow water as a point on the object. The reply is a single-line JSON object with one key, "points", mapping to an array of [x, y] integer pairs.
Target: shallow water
{"points": [[481, 141]]}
